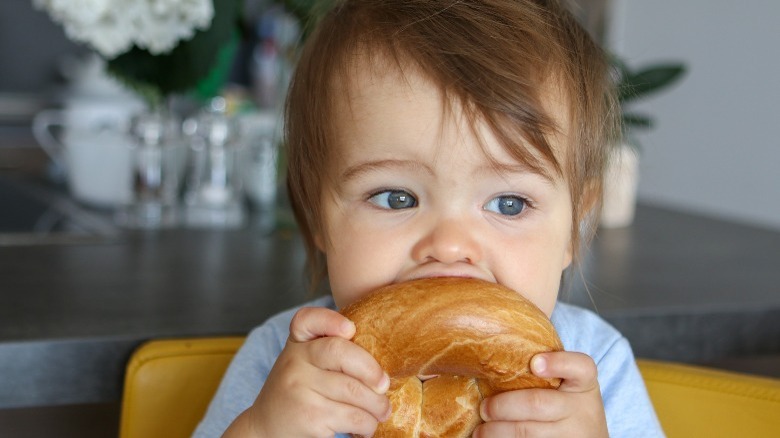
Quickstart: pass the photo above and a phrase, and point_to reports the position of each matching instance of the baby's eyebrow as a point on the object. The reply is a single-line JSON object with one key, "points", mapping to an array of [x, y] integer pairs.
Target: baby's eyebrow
{"points": [[357, 170], [516, 168]]}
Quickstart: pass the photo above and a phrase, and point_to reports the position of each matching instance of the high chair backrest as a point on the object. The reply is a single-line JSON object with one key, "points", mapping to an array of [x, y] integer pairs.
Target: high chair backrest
{"points": [[169, 384], [695, 401]]}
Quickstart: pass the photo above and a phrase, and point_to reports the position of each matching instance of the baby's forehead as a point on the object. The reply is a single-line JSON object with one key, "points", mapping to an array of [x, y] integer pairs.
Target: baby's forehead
{"points": [[367, 71], [357, 90]]}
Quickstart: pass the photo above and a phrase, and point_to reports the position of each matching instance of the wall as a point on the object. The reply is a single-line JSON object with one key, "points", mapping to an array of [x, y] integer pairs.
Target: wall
{"points": [[715, 148], [31, 46]]}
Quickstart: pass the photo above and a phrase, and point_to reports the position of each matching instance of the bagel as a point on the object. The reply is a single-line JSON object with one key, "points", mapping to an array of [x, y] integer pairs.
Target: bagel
{"points": [[477, 338]]}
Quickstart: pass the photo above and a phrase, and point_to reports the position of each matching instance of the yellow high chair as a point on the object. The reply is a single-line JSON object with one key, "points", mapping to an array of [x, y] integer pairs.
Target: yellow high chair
{"points": [[169, 383]]}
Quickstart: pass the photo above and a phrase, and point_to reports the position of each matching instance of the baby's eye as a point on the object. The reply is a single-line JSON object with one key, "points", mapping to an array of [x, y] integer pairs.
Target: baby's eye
{"points": [[393, 199], [506, 205]]}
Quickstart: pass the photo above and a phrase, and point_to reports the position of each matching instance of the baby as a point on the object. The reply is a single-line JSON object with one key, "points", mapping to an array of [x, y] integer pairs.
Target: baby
{"points": [[433, 138]]}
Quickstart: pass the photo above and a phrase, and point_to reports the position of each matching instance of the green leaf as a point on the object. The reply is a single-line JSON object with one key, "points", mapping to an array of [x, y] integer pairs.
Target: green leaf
{"points": [[648, 80], [636, 121], [212, 84], [187, 64], [620, 66]]}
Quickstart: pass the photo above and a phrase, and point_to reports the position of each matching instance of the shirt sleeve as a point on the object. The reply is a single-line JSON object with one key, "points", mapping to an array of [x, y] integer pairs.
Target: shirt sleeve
{"points": [[627, 404], [248, 372], [242, 381]]}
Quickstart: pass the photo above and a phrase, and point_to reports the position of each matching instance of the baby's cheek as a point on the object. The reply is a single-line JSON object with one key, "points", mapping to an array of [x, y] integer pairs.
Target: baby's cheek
{"points": [[367, 261], [353, 276]]}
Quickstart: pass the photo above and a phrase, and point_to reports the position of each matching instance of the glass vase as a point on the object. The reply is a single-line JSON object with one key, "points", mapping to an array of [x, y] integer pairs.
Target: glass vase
{"points": [[158, 161]]}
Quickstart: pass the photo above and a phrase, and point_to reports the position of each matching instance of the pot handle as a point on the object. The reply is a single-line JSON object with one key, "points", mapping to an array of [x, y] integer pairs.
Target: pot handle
{"points": [[41, 127]]}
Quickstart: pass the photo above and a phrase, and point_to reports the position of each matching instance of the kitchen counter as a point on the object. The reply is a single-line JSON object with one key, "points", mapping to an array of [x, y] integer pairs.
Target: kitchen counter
{"points": [[679, 286]]}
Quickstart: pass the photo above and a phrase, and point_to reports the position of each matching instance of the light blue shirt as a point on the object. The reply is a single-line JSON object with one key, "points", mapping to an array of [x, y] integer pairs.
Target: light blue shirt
{"points": [[628, 408]]}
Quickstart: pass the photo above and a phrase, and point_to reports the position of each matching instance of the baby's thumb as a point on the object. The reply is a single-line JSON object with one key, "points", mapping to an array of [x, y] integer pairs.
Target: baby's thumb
{"points": [[310, 323]]}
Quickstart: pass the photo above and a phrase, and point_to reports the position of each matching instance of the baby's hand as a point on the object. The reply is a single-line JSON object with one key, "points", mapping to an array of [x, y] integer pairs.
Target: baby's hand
{"points": [[575, 409], [320, 385]]}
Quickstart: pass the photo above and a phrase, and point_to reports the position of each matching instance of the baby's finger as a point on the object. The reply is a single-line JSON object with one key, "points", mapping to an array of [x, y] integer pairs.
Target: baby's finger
{"points": [[543, 405], [310, 323], [336, 354], [344, 418], [577, 370], [515, 429], [348, 390]]}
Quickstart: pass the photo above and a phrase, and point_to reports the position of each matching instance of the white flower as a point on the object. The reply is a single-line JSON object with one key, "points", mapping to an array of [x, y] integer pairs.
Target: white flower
{"points": [[112, 27]]}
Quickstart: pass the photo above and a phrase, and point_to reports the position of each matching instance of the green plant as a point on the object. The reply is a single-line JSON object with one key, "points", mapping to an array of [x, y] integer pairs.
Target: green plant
{"points": [[633, 84], [200, 64]]}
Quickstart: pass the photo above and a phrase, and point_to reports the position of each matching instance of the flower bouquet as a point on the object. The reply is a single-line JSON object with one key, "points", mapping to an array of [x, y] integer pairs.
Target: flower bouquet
{"points": [[156, 47]]}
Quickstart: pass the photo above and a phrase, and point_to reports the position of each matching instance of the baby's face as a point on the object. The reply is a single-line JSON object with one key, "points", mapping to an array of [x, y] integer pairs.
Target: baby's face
{"points": [[414, 196]]}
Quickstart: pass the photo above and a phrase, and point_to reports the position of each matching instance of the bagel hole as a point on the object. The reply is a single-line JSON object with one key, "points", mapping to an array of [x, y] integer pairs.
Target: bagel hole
{"points": [[427, 377]]}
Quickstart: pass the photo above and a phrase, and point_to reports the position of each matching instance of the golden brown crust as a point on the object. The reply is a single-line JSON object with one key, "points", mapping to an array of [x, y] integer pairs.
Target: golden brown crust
{"points": [[450, 327], [405, 397], [450, 406]]}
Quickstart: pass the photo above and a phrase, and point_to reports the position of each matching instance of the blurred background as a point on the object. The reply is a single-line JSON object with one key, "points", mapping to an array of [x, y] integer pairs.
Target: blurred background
{"points": [[129, 214], [713, 148]]}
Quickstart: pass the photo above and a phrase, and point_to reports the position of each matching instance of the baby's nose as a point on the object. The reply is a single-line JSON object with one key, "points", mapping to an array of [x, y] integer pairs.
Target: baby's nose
{"points": [[449, 240]]}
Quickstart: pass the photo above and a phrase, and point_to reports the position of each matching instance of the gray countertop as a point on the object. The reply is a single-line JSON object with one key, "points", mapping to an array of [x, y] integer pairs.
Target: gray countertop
{"points": [[679, 286], [687, 288]]}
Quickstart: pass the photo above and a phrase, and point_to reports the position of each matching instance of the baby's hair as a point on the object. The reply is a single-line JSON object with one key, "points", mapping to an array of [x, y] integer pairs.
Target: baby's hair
{"points": [[499, 59]]}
